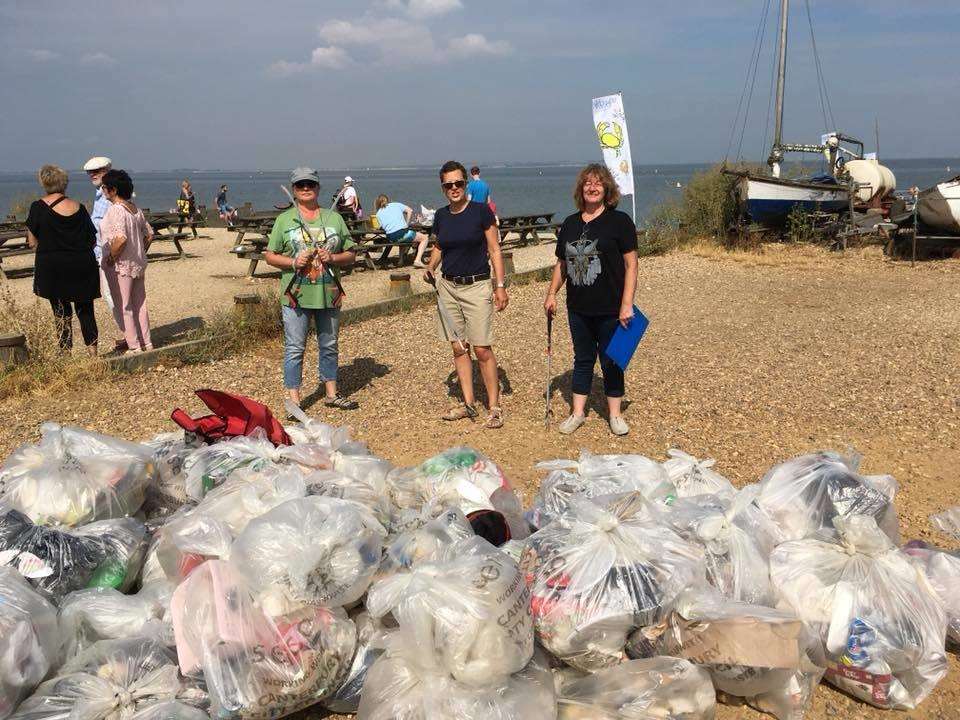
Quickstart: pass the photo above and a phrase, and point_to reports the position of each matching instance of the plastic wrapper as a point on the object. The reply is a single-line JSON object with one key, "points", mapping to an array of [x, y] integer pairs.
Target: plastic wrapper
{"points": [[371, 640], [29, 639], [313, 550], [737, 538], [112, 679], [459, 477], [601, 571], [661, 687], [424, 543], [753, 653], [879, 626], [404, 684], [72, 477], [308, 430], [804, 495], [948, 522], [469, 609], [942, 570], [330, 483], [170, 452], [694, 477], [88, 616], [102, 554], [255, 665]]}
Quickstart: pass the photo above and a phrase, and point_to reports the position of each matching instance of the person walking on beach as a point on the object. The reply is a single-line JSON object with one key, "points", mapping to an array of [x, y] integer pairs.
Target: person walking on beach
{"points": [[127, 236], [66, 271], [478, 191], [468, 244], [187, 202], [394, 218], [309, 257], [597, 259], [348, 201], [226, 211], [96, 168]]}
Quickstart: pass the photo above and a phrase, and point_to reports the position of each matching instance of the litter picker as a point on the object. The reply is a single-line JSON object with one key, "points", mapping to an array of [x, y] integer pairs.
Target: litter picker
{"points": [[548, 395], [292, 290], [445, 320]]}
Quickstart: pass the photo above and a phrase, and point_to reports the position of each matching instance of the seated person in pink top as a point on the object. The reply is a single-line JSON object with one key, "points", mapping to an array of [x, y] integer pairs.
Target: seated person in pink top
{"points": [[126, 235]]}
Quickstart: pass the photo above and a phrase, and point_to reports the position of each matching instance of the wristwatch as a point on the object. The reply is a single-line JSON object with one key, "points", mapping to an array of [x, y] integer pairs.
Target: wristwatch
{"points": [[500, 286]]}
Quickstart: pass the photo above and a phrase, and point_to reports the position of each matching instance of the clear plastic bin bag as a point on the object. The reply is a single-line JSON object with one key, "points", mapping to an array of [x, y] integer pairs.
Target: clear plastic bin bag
{"points": [[313, 550], [424, 543], [310, 431], [805, 494], [660, 687], [942, 570], [947, 522], [355, 460], [108, 553], [250, 493], [458, 477], [470, 609], [692, 476], [29, 639], [88, 616], [756, 654], [73, 476], [170, 452], [371, 640], [599, 572], [111, 679], [255, 665], [404, 684], [212, 465], [737, 538], [187, 540], [879, 626], [333, 484]]}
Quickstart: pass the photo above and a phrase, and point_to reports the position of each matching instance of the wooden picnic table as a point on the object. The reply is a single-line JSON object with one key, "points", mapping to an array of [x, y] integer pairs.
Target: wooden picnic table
{"points": [[528, 228], [12, 244], [168, 220], [163, 229]]}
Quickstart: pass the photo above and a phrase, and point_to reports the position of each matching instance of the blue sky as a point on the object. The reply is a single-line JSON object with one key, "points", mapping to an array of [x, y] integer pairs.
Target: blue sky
{"points": [[216, 84]]}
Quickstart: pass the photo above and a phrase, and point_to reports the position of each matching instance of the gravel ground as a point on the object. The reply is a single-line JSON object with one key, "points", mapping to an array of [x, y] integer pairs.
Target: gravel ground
{"points": [[750, 359]]}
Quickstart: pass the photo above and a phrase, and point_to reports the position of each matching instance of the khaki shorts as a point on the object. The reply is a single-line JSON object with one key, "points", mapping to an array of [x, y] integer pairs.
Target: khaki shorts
{"points": [[470, 309]]}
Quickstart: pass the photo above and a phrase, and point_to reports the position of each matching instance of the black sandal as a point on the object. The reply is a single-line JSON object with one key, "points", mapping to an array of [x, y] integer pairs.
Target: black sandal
{"points": [[341, 403]]}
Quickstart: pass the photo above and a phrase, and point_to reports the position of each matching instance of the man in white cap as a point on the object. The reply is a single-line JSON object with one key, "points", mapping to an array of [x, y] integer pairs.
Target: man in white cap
{"points": [[348, 201], [96, 168]]}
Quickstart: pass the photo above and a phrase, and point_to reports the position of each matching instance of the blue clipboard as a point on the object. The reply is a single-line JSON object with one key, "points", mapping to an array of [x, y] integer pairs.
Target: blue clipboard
{"points": [[625, 339]]}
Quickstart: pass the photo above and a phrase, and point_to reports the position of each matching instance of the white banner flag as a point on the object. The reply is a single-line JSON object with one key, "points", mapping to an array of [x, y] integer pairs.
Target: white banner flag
{"points": [[610, 124]]}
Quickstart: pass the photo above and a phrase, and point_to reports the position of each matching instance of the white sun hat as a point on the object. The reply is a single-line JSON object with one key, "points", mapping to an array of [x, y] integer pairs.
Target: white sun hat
{"points": [[97, 163]]}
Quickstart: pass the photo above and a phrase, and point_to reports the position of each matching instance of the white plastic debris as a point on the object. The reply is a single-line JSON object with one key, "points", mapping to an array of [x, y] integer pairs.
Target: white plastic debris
{"points": [[693, 477]]}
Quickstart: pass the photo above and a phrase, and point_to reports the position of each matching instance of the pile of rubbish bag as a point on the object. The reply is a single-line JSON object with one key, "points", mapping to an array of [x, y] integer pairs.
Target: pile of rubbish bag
{"points": [[251, 576]]}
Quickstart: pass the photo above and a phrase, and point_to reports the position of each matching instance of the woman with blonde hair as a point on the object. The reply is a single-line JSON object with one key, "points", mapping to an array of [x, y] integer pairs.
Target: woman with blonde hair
{"points": [[187, 202], [65, 271], [597, 259], [394, 218]]}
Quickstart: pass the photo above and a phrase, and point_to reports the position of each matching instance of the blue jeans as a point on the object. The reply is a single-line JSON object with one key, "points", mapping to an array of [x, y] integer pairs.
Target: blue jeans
{"points": [[296, 327], [590, 335]]}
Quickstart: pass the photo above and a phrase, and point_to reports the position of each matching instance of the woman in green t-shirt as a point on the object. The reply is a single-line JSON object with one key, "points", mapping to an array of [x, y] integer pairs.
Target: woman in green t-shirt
{"points": [[309, 257]]}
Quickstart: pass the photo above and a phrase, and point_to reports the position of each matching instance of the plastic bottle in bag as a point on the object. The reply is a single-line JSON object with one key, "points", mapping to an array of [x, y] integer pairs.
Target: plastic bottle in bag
{"points": [[72, 477], [694, 477], [600, 571], [469, 609], [211, 465], [660, 687], [257, 666], [404, 684], [111, 679], [29, 639], [169, 492], [424, 543], [312, 550], [805, 494], [879, 625]]}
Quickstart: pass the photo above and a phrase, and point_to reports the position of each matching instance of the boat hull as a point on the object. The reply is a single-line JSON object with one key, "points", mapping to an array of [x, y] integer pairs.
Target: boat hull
{"points": [[771, 200], [939, 207]]}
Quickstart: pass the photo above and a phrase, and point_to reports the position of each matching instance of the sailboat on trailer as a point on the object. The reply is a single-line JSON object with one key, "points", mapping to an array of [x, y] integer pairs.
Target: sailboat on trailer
{"points": [[769, 199]]}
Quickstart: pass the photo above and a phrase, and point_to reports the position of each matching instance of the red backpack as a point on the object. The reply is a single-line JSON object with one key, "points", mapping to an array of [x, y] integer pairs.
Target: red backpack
{"points": [[233, 416]]}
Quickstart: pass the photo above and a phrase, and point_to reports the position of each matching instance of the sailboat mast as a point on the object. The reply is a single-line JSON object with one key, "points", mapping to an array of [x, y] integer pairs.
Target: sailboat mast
{"points": [[776, 154]]}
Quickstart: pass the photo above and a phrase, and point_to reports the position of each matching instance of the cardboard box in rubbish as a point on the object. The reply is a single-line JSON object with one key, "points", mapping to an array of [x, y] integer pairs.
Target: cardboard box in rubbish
{"points": [[749, 641]]}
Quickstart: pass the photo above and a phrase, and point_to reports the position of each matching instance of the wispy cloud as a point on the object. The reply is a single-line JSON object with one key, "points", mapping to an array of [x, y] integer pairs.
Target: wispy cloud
{"points": [[42, 55], [477, 44], [423, 9], [97, 58]]}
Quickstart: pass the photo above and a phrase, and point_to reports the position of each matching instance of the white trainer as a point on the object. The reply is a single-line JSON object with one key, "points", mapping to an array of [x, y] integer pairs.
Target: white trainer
{"points": [[571, 424], [618, 426]]}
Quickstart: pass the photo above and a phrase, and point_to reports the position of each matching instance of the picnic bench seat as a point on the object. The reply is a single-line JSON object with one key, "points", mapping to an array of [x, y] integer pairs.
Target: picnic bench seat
{"points": [[14, 251], [528, 228]]}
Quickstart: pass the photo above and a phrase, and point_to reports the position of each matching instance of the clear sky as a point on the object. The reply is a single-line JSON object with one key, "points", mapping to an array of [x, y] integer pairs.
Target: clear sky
{"points": [[164, 84]]}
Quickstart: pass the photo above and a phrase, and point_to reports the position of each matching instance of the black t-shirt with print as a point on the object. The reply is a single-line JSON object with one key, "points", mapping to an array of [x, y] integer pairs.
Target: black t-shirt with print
{"points": [[593, 257], [463, 244]]}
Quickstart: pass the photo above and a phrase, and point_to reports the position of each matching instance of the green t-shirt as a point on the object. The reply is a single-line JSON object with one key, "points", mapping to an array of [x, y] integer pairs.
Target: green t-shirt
{"points": [[317, 288]]}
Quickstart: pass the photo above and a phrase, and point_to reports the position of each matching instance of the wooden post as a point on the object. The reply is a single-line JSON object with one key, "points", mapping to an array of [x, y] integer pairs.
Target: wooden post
{"points": [[244, 306], [13, 349], [508, 267], [399, 285]]}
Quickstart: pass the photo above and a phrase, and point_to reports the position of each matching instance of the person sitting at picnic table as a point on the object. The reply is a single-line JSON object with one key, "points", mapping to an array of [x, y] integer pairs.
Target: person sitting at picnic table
{"points": [[66, 271], [309, 257], [187, 202], [597, 258], [226, 211], [394, 218], [348, 201], [127, 236], [467, 245]]}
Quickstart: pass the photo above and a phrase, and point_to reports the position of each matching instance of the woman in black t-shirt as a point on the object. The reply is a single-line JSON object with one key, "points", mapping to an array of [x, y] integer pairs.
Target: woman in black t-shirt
{"points": [[597, 259]]}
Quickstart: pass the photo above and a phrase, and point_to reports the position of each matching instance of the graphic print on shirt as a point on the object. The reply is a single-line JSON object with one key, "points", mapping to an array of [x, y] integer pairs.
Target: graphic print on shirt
{"points": [[583, 261], [297, 236]]}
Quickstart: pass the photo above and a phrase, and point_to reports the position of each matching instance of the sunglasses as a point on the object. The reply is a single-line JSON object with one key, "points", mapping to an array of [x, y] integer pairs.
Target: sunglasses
{"points": [[454, 184], [306, 185]]}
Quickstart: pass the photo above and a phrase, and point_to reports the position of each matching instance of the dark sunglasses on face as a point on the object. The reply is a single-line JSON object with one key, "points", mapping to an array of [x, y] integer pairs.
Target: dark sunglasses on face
{"points": [[454, 184], [306, 185]]}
